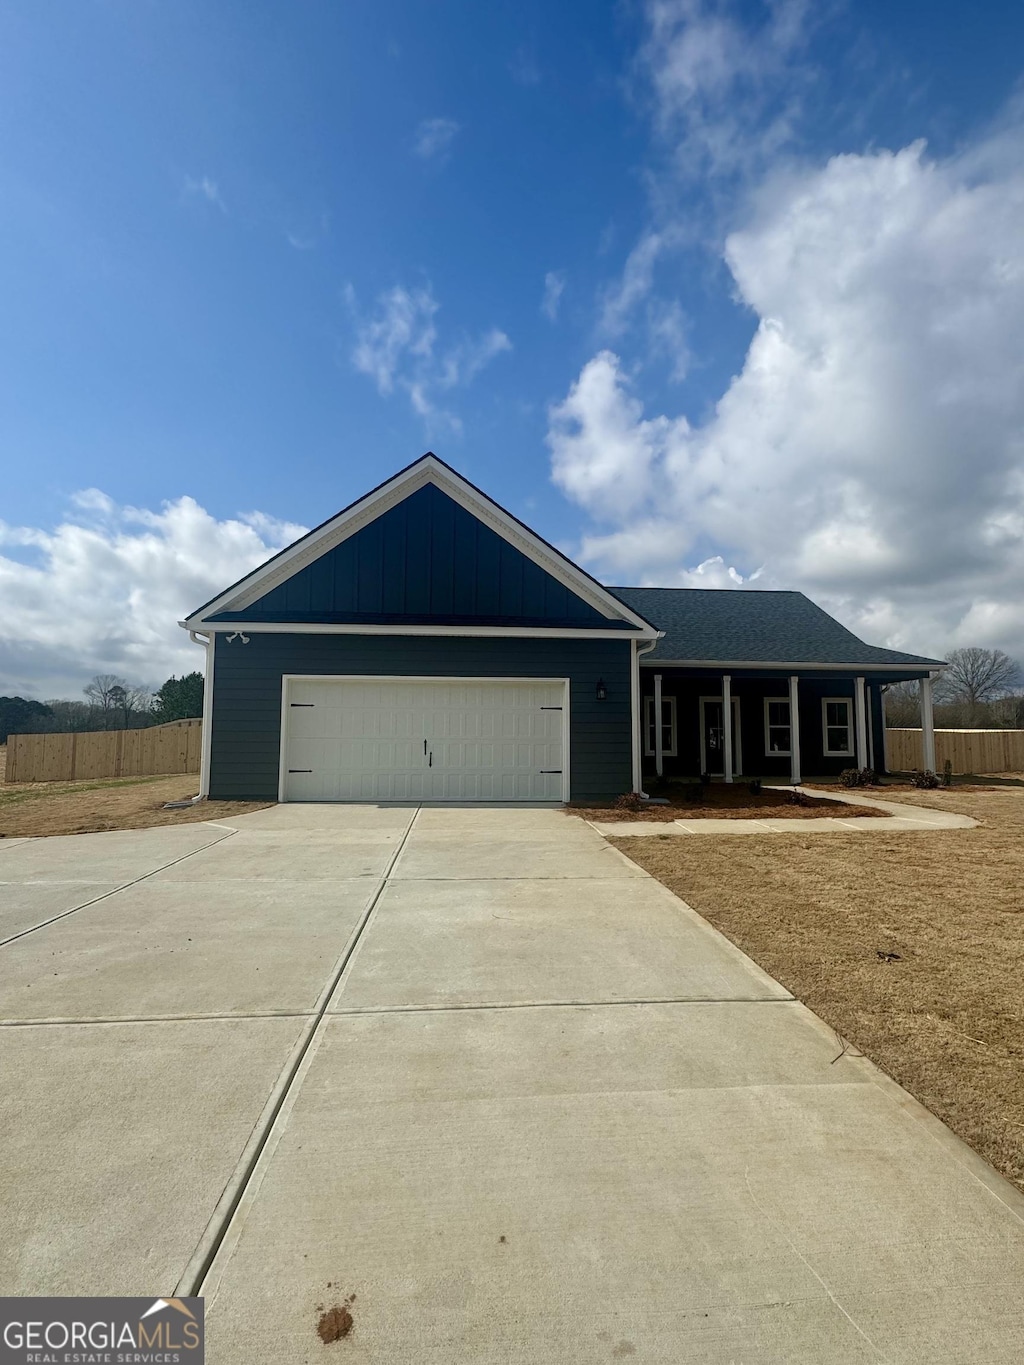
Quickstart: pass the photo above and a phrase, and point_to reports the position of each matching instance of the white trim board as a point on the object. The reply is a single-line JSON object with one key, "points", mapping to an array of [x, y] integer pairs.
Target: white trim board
{"points": [[324, 628], [768, 665], [444, 679], [428, 469]]}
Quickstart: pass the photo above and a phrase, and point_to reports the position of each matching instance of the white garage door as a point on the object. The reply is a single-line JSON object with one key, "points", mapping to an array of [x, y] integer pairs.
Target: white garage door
{"points": [[389, 739]]}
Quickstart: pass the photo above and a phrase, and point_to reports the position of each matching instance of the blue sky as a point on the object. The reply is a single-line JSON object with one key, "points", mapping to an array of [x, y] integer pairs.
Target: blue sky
{"points": [[260, 256]]}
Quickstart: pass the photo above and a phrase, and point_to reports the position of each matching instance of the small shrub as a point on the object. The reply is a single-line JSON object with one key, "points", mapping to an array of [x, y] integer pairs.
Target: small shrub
{"points": [[754, 787], [947, 773], [630, 802], [858, 777], [924, 777], [798, 798]]}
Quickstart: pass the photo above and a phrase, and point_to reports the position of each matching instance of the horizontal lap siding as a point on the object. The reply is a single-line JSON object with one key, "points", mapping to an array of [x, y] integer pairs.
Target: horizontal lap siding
{"points": [[247, 696]]}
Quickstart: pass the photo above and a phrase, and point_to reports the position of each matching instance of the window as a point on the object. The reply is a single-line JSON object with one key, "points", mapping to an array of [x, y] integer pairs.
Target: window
{"points": [[837, 726], [668, 726], [778, 736]]}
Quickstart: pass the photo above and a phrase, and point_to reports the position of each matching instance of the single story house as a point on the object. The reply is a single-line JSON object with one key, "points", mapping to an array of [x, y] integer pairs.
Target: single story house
{"points": [[423, 644]]}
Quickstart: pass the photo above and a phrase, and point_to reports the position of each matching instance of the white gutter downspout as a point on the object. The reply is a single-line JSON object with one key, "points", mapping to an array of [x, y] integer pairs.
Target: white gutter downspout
{"points": [[634, 697], [204, 762]]}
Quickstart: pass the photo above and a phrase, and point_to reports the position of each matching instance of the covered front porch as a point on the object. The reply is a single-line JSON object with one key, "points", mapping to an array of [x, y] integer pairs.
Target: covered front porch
{"points": [[784, 725]]}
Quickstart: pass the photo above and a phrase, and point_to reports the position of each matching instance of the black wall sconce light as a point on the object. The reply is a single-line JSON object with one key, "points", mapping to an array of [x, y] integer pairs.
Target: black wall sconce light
{"points": [[602, 691]]}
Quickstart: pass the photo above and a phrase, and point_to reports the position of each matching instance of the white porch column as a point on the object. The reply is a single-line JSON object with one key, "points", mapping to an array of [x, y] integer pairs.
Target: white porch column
{"points": [[794, 730], [727, 725], [927, 726], [871, 733], [659, 742], [206, 743], [861, 723]]}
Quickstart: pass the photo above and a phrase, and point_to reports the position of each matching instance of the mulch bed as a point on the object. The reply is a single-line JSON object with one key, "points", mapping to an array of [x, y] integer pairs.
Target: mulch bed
{"points": [[728, 802]]}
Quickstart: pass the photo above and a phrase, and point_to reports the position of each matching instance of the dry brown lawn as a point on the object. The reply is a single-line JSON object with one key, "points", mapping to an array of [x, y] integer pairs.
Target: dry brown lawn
{"points": [[911, 946], [41, 808]]}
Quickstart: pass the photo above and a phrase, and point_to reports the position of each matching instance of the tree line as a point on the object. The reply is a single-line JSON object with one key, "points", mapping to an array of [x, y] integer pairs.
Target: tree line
{"points": [[980, 690], [111, 703]]}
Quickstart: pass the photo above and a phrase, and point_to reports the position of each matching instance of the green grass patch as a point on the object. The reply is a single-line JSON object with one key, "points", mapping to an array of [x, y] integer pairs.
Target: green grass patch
{"points": [[42, 790]]}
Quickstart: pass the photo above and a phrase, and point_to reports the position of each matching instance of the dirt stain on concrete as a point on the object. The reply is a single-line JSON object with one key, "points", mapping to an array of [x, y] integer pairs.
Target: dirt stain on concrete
{"points": [[335, 1322]]}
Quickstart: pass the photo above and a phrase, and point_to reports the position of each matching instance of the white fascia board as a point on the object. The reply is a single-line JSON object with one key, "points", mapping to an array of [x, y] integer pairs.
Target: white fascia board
{"points": [[319, 628], [762, 664], [427, 470]]}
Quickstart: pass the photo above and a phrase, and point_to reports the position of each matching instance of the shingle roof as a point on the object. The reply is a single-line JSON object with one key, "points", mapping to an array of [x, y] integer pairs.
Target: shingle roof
{"points": [[736, 625]]}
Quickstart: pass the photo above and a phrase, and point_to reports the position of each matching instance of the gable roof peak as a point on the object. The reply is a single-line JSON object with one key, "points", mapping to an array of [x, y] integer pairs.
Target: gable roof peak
{"points": [[427, 469]]}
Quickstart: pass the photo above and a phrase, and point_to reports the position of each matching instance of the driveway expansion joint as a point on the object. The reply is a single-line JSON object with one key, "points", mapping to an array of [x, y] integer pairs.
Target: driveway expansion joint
{"points": [[203, 1258], [565, 1004], [116, 890]]}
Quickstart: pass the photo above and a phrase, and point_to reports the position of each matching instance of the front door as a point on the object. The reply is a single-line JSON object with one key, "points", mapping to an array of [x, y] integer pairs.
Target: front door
{"points": [[712, 737]]}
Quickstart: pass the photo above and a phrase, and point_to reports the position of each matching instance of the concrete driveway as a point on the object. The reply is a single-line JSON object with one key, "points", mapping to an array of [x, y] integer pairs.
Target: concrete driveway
{"points": [[477, 1070]]}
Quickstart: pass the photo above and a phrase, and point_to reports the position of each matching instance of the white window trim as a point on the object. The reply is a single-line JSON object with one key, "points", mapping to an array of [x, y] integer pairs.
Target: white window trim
{"points": [[768, 751], [849, 751], [737, 748], [667, 751]]}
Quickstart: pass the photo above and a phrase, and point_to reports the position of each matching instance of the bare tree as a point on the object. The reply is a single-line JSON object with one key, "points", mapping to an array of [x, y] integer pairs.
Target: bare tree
{"points": [[137, 700], [105, 692], [117, 700], [978, 675], [902, 705]]}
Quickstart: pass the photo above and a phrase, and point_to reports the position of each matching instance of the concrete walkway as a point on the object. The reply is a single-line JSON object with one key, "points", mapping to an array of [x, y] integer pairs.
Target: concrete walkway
{"points": [[476, 1069], [903, 816]]}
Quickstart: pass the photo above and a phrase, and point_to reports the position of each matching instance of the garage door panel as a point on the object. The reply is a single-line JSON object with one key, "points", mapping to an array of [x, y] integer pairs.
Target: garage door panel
{"points": [[366, 739]]}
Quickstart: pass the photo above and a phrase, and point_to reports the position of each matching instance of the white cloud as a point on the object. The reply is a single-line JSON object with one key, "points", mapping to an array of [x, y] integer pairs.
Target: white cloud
{"points": [[726, 95], [636, 281], [717, 82], [554, 287], [871, 450], [397, 347], [434, 138], [104, 590], [205, 188]]}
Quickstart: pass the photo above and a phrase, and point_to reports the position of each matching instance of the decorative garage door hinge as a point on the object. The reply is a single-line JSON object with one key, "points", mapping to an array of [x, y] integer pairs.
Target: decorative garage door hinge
{"points": [[300, 770], [302, 703], [551, 708], [551, 770]]}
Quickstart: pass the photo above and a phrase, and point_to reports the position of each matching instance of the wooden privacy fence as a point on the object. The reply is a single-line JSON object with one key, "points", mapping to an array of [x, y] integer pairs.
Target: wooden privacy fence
{"points": [[171, 748], [970, 751]]}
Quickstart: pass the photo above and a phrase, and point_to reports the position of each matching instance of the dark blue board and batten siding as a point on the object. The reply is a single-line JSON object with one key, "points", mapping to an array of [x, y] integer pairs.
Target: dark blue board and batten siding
{"points": [[425, 561], [247, 696]]}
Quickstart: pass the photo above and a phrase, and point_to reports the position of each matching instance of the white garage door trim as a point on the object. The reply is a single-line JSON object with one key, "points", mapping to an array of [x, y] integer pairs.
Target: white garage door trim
{"points": [[288, 678]]}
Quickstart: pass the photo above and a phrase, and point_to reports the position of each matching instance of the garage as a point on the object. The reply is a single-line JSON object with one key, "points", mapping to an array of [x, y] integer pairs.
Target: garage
{"points": [[424, 739], [420, 645]]}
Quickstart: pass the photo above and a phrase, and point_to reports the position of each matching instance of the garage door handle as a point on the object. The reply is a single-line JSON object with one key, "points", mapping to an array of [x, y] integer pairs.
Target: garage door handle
{"points": [[430, 762], [551, 770], [300, 770], [551, 708], [302, 703]]}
